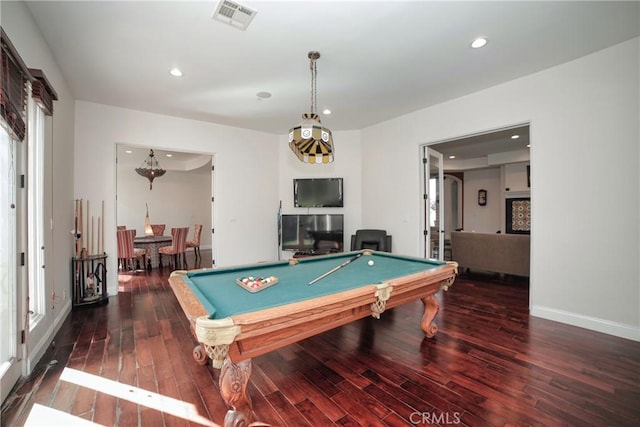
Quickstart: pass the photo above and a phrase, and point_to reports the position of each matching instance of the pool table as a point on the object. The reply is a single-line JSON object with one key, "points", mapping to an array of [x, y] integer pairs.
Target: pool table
{"points": [[234, 323]]}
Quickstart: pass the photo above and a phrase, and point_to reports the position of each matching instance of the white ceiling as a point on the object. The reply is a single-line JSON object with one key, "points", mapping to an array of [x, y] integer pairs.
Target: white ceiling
{"points": [[132, 157], [478, 147], [379, 59]]}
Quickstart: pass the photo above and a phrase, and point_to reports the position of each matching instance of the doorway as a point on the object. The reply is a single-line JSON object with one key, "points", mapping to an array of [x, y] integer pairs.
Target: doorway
{"points": [[182, 197], [466, 161], [433, 203]]}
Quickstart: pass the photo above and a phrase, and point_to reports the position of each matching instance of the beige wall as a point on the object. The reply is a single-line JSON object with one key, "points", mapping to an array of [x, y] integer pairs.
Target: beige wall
{"points": [[584, 118], [59, 179]]}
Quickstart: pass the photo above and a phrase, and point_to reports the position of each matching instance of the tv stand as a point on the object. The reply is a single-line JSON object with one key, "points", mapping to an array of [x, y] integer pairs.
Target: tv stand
{"points": [[312, 234], [304, 254]]}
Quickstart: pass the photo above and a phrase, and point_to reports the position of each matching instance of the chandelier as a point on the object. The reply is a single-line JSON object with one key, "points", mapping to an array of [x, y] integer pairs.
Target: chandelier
{"points": [[150, 169], [311, 141]]}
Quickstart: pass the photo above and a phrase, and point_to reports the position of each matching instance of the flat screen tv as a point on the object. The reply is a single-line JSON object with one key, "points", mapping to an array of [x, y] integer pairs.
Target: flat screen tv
{"points": [[318, 193], [304, 232]]}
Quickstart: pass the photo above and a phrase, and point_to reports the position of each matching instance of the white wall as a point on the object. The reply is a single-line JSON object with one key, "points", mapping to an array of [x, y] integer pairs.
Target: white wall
{"points": [[347, 147], [391, 198], [515, 176], [58, 173], [584, 119], [488, 218], [246, 202]]}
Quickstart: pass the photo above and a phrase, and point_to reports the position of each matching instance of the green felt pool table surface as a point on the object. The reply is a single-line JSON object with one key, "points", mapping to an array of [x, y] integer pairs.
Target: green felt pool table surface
{"points": [[222, 297], [233, 325]]}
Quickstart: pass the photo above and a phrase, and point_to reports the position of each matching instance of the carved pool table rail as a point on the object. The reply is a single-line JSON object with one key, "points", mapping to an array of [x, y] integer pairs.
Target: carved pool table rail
{"points": [[253, 334], [231, 342]]}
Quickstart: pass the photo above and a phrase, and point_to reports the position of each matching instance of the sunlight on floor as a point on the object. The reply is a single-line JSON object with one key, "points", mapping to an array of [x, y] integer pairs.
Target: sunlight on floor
{"points": [[137, 395], [123, 282], [45, 416]]}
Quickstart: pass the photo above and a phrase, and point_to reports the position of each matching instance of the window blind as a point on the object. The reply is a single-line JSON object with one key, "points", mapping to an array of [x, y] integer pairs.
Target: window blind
{"points": [[42, 91], [14, 76]]}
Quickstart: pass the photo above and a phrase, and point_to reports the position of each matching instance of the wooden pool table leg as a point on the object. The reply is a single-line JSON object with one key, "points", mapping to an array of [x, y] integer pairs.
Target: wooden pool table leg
{"points": [[430, 310], [200, 355], [234, 378]]}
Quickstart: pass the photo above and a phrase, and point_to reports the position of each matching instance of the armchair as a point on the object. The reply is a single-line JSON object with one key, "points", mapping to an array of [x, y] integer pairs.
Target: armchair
{"points": [[378, 240]]}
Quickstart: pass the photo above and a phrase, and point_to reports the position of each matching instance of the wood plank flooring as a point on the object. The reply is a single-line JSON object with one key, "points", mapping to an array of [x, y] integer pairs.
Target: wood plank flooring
{"points": [[129, 363]]}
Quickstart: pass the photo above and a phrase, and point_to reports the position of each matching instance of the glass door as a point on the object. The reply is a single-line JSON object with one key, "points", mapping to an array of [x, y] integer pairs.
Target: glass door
{"points": [[213, 229], [433, 225], [10, 346]]}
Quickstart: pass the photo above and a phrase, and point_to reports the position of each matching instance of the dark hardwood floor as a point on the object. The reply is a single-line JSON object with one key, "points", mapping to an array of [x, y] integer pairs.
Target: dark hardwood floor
{"points": [[129, 363]]}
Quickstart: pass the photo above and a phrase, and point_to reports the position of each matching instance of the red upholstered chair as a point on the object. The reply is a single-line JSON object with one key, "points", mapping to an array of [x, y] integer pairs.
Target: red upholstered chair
{"points": [[126, 252], [178, 246], [121, 227], [195, 243], [158, 229]]}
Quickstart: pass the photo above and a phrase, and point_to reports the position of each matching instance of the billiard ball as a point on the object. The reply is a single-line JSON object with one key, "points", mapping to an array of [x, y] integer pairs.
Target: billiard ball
{"points": [[370, 262]]}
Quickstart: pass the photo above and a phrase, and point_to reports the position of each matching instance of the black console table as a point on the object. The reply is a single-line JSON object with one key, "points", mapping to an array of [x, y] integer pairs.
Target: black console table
{"points": [[89, 280]]}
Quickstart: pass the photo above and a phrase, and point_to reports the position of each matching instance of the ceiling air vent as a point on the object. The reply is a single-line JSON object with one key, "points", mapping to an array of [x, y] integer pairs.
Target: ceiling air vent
{"points": [[234, 14]]}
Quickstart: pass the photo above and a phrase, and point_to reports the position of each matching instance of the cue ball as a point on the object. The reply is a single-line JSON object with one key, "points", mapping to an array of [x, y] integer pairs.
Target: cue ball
{"points": [[370, 262]]}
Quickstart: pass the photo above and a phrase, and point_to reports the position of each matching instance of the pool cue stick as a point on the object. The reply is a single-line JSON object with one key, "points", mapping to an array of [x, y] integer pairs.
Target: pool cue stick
{"points": [[279, 230], [93, 237], [81, 226], [102, 240], [99, 235], [75, 229], [88, 230], [336, 268]]}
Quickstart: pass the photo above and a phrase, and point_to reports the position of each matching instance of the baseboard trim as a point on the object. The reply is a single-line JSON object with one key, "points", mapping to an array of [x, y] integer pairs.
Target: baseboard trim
{"points": [[592, 323], [38, 350]]}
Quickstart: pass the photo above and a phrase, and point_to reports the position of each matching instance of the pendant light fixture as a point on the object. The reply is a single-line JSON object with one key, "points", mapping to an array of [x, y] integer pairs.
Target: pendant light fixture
{"points": [[311, 141], [150, 169]]}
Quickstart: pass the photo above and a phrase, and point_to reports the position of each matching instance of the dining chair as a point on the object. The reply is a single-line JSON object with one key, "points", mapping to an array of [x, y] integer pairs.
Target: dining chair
{"points": [[178, 246], [158, 229], [127, 253], [195, 243]]}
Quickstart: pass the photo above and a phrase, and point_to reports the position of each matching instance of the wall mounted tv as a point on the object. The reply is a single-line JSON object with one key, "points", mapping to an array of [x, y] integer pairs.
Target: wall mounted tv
{"points": [[318, 193], [304, 232]]}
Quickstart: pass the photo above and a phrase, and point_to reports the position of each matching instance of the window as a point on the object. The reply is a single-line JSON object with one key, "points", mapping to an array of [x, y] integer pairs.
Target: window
{"points": [[40, 106], [35, 211], [13, 95], [8, 250], [23, 120], [22, 213]]}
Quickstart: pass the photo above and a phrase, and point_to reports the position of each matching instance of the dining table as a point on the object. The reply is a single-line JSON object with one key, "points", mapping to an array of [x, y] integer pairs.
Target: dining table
{"points": [[151, 244]]}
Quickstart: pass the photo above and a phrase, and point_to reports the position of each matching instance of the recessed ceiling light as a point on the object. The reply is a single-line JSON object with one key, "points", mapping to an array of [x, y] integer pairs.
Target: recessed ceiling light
{"points": [[479, 42], [515, 136], [452, 157], [128, 151], [326, 111], [263, 95], [169, 155], [175, 72]]}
